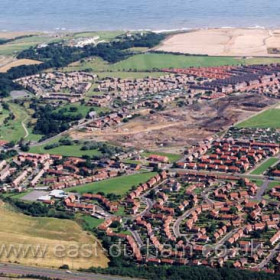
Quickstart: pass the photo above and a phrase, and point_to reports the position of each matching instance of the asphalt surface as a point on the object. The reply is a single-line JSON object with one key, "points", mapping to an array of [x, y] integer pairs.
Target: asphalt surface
{"points": [[55, 273]]}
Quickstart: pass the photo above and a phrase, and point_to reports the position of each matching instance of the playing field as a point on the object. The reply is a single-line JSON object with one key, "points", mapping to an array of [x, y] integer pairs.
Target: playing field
{"points": [[119, 185], [263, 167], [44, 237], [269, 118]]}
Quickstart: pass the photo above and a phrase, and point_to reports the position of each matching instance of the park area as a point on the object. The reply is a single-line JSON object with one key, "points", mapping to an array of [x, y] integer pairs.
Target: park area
{"points": [[267, 119], [264, 167], [119, 185]]}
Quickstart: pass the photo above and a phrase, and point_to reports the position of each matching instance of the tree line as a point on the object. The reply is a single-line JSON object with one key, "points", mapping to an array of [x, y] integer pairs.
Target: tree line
{"points": [[57, 55]]}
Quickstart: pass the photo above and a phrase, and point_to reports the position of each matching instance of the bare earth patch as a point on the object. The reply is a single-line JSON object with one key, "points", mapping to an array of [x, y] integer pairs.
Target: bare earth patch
{"points": [[173, 129], [224, 42]]}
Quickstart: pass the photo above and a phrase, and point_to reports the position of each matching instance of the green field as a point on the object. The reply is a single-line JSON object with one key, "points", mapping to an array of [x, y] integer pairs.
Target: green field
{"points": [[81, 109], [269, 118], [92, 222], [68, 151], [19, 45], [155, 61], [263, 167], [129, 75], [119, 185], [13, 130], [259, 183], [272, 185]]}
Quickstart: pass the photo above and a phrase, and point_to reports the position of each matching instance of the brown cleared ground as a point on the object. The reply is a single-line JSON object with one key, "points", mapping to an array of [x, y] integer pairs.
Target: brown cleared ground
{"points": [[173, 129], [50, 234], [224, 42], [18, 62]]}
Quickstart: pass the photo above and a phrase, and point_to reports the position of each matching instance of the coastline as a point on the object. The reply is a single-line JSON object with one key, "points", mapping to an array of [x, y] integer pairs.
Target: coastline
{"points": [[221, 41], [172, 30]]}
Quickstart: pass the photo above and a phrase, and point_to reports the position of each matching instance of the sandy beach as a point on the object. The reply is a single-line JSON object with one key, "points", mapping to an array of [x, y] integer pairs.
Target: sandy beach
{"points": [[225, 42]]}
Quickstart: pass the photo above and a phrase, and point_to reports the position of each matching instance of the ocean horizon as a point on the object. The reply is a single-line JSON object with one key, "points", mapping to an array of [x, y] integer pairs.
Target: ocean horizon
{"points": [[83, 15]]}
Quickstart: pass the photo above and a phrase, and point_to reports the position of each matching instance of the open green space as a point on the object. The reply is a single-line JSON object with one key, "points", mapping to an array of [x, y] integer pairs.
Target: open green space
{"points": [[14, 47], [272, 185], [92, 222], [258, 182], [263, 167], [119, 185], [129, 75], [103, 35], [13, 130], [155, 61], [172, 157], [78, 108], [64, 150], [267, 119]]}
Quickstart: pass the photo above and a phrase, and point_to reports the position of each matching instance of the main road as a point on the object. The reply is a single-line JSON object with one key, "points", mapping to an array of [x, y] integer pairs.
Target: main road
{"points": [[20, 270]]}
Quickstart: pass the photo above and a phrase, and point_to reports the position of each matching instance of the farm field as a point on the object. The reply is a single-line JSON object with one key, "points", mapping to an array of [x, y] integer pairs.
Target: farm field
{"points": [[269, 118], [155, 61], [16, 228], [20, 44], [263, 167], [118, 185], [18, 62]]}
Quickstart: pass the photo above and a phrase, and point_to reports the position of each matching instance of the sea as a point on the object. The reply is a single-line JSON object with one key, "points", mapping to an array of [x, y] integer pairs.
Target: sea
{"points": [[157, 15]]}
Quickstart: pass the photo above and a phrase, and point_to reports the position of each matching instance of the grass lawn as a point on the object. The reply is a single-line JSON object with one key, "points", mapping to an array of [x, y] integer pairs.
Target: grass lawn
{"points": [[68, 151], [269, 118], [81, 109], [16, 228], [92, 222], [172, 157], [272, 185], [16, 195], [263, 167], [258, 182], [119, 185]]}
